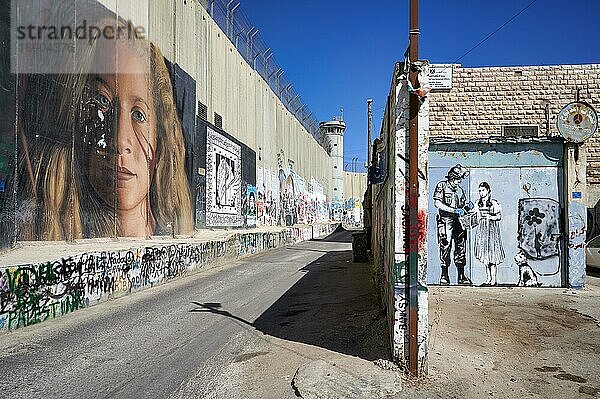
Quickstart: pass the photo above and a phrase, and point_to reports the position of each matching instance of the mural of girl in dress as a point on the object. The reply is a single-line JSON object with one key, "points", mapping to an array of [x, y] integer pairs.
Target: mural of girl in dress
{"points": [[488, 240]]}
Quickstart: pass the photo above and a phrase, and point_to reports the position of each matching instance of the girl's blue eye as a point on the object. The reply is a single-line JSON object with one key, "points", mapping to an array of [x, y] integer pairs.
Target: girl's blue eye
{"points": [[103, 100], [138, 116]]}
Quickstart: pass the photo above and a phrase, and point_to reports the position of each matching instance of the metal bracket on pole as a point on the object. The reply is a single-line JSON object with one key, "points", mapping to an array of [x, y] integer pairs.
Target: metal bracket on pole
{"points": [[254, 60], [230, 11], [274, 72]]}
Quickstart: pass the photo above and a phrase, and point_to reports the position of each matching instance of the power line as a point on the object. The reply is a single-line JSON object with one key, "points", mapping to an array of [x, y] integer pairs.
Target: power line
{"points": [[494, 32]]}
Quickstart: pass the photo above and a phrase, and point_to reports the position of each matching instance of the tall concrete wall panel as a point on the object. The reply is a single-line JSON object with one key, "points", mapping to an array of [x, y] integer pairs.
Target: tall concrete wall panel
{"points": [[36, 292], [59, 151]]}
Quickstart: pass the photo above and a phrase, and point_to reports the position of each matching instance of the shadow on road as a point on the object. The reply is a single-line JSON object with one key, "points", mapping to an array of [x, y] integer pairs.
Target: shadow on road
{"points": [[334, 306], [339, 235]]}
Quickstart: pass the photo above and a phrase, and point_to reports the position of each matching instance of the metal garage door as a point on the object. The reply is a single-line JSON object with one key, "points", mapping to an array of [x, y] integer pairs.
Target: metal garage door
{"points": [[512, 234]]}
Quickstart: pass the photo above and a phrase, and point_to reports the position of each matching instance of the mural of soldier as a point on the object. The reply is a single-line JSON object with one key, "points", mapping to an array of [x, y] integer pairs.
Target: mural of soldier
{"points": [[451, 202]]}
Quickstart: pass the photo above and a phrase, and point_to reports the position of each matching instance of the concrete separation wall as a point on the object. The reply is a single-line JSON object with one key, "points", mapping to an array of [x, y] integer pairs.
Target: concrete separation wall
{"points": [[213, 146], [33, 293]]}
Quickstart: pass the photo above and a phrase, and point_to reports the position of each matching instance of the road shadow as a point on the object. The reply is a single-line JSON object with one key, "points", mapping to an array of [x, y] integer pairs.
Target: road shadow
{"points": [[334, 306], [339, 235]]}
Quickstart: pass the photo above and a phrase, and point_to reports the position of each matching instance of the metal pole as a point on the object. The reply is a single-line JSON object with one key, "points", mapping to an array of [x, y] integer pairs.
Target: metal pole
{"points": [[227, 31], [413, 208], [370, 130], [251, 42]]}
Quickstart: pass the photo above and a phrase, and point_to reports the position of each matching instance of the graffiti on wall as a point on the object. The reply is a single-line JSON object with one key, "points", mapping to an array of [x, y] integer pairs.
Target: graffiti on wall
{"points": [[287, 195], [576, 244], [31, 294], [250, 205], [267, 205], [223, 175], [391, 201], [539, 227], [485, 235], [91, 162]]}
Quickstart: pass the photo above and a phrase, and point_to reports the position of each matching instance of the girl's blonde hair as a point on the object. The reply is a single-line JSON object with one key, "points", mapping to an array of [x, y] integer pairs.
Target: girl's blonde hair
{"points": [[56, 195]]}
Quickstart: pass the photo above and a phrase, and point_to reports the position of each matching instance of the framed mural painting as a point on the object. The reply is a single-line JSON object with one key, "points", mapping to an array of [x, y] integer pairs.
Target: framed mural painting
{"points": [[223, 175]]}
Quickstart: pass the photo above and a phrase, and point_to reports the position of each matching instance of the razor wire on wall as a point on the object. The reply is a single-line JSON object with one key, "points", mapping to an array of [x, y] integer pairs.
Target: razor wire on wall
{"points": [[246, 38]]}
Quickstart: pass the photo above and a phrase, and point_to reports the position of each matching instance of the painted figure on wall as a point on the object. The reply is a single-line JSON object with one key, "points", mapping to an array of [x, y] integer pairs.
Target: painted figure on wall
{"points": [[225, 181], [287, 194], [488, 240], [250, 211], [451, 202], [128, 177]]}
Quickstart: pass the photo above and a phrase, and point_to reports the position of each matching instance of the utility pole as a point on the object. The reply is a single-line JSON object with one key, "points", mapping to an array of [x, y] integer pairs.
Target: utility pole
{"points": [[413, 208], [370, 130]]}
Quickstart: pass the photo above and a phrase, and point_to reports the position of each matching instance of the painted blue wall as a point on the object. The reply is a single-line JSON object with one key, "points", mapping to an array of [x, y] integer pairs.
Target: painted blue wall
{"points": [[526, 179]]}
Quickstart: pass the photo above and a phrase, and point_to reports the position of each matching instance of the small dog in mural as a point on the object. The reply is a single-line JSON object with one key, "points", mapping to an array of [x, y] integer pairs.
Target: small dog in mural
{"points": [[527, 276]]}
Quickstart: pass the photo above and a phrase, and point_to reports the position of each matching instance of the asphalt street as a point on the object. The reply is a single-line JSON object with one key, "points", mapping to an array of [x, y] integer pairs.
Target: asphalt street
{"points": [[153, 343]]}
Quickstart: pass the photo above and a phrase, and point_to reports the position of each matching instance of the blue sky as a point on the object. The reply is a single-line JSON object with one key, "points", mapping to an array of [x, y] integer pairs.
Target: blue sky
{"points": [[339, 53]]}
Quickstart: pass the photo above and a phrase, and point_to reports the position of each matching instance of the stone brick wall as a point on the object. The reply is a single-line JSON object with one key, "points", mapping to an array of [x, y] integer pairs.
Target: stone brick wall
{"points": [[482, 100]]}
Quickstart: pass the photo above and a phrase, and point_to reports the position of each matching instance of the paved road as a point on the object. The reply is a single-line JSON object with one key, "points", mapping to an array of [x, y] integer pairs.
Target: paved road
{"points": [[153, 343]]}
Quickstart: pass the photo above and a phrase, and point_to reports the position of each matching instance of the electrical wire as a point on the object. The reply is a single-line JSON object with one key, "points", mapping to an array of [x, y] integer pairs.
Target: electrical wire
{"points": [[494, 32]]}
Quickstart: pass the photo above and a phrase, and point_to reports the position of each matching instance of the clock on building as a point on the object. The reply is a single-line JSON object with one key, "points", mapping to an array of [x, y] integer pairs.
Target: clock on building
{"points": [[577, 121]]}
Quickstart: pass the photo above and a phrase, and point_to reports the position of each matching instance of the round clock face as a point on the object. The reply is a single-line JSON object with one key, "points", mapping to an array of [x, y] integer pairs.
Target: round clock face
{"points": [[577, 121]]}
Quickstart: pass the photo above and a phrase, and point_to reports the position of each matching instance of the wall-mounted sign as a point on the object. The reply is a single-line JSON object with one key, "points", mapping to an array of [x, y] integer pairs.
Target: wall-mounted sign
{"points": [[577, 121], [440, 76]]}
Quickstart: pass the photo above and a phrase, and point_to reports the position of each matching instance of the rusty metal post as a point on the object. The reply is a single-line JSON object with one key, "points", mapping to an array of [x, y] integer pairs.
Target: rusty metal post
{"points": [[369, 130], [413, 208]]}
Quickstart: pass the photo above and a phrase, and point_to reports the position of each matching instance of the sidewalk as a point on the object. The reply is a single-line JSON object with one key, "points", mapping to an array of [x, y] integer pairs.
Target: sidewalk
{"points": [[32, 252], [513, 343]]}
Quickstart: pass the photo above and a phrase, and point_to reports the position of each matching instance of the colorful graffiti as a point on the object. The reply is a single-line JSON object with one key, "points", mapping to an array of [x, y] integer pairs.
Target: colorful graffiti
{"points": [[31, 294], [391, 200], [250, 207]]}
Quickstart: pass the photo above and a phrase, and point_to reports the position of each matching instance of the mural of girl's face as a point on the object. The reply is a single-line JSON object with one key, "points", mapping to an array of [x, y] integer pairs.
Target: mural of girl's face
{"points": [[128, 97], [483, 192]]}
